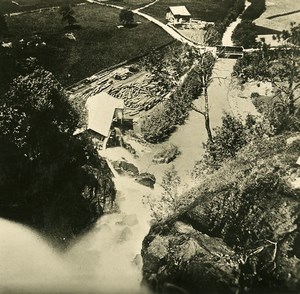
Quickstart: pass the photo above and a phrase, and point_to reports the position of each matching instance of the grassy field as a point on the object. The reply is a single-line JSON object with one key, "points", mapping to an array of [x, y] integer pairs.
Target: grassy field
{"points": [[6, 6], [207, 10], [274, 17], [99, 43], [132, 4]]}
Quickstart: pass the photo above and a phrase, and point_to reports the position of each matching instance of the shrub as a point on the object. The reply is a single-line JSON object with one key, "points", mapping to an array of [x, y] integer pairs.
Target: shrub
{"points": [[168, 154], [245, 34], [163, 120]]}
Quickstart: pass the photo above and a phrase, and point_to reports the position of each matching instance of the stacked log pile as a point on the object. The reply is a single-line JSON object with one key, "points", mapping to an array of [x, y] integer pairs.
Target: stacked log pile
{"points": [[137, 96]]}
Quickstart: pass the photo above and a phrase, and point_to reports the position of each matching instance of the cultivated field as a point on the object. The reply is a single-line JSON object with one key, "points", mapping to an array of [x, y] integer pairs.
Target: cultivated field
{"points": [[99, 43], [212, 10], [279, 14]]}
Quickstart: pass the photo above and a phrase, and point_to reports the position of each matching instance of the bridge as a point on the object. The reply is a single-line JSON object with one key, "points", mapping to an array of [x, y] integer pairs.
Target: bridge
{"points": [[230, 51]]}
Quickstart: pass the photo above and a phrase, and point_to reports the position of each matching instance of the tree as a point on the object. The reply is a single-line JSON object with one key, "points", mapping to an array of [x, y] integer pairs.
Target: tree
{"points": [[126, 17], [171, 196], [227, 141], [67, 13], [280, 67], [3, 25], [245, 34], [204, 70], [49, 178]]}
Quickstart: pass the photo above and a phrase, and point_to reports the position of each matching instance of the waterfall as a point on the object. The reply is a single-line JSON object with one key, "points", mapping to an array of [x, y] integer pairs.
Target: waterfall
{"points": [[104, 260]]}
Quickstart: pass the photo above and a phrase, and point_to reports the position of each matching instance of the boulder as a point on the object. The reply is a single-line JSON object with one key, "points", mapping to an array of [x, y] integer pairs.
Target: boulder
{"points": [[146, 179], [167, 155], [124, 167], [190, 260]]}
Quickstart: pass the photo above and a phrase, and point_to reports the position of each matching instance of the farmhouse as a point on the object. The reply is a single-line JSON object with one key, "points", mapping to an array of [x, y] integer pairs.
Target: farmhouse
{"points": [[178, 15], [104, 114]]}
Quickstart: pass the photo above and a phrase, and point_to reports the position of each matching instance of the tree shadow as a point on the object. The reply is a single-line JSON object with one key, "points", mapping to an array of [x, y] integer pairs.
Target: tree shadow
{"points": [[72, 27], [130, 25]]}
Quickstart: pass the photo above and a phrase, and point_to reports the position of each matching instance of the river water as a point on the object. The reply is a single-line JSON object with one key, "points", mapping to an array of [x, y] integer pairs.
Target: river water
{"points": [[107, 258], [226, 40]]}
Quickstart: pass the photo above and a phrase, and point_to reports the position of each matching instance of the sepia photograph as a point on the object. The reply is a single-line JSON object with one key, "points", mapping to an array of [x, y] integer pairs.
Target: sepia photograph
{"points": [[150, 147]]}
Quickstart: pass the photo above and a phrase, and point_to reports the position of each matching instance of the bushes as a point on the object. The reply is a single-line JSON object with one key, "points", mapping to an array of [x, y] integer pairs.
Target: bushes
{"points": [[232, 15], [168, 154], [245, 34], [163, 119]]}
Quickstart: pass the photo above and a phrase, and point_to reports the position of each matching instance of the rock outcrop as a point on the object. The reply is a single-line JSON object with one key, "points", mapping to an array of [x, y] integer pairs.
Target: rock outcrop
{"points": [[146, 179], [240, 233], [189, 260], [124, 167]]}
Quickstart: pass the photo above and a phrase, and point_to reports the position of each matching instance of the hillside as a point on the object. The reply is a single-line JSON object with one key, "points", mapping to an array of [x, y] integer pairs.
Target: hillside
{"points": [[92, 46], [201, 247]]}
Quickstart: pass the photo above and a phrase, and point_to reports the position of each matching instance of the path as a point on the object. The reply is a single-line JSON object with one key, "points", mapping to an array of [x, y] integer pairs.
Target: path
{"points": [[165, 27]]}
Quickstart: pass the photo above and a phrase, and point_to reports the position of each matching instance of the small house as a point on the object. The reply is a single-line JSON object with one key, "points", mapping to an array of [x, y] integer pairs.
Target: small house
{"points": [[104, 113], [178, 15]]}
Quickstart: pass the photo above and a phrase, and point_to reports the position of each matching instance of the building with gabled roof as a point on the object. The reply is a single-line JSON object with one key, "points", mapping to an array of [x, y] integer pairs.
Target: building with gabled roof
{"points": [[103, 109], [178, 14]]}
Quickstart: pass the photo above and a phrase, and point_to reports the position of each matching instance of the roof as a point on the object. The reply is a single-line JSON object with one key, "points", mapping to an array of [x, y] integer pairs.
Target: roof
{"points": [[179, 10], [101, 109]]}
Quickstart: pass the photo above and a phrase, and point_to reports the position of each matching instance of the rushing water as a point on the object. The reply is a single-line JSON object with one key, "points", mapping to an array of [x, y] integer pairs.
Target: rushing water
{"points": [[105, 260]]}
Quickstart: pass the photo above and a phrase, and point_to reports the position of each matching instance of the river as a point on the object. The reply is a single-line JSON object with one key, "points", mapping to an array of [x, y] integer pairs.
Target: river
{"points": [[107, 258]]}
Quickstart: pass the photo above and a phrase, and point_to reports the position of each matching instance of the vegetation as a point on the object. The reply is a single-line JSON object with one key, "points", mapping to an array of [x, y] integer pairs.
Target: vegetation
{"points": [[67, 13], [163, 119], [97, 44], [280, 68], [3, 26], [130, 4], [220, 26], [49, 178], [7, 6], [250, 207], [204, 70], [167, 74], [215, 10], [245, 34], [238, 229], [126, 17], [171, 196], [168, 154]]}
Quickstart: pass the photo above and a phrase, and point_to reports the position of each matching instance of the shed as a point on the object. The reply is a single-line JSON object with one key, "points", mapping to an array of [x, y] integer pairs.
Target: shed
{"points": [[103, 109], [178, 14]]}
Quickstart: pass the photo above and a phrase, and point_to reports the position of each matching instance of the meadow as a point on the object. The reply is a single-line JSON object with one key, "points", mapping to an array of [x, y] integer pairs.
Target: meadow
{"points": [[7, 6], [99, 42], [131, 4], [279, 14], [213, 10]]}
